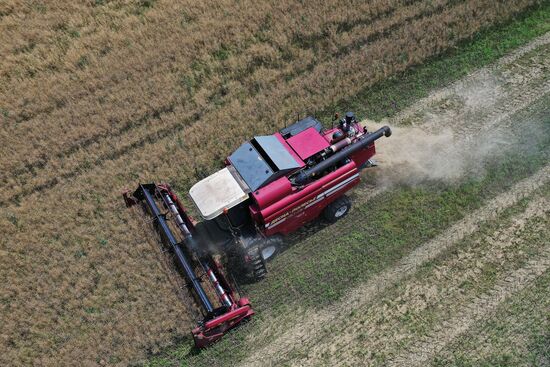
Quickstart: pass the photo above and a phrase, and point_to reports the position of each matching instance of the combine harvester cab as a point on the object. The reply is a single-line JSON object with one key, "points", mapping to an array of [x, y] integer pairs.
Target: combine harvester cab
{"points": [[270, 186], [189, 255]]}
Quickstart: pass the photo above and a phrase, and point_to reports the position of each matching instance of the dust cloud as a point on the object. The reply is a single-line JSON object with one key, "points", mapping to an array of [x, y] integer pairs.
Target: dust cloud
{"points": [[416, 155]]}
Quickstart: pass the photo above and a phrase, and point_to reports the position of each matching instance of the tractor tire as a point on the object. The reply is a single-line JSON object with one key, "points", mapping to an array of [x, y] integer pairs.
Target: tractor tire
{"points": [[271, 247], [257, 264], [338, 209]]}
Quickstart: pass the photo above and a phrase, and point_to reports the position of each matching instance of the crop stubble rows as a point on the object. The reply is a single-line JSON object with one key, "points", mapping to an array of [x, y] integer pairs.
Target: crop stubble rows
{"points": [[426, 312], [317, 332], [515, 333]]}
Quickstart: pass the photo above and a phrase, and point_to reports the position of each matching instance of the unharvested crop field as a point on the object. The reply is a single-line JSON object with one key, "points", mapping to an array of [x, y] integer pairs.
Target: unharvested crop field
{"points": [[96, 96]]}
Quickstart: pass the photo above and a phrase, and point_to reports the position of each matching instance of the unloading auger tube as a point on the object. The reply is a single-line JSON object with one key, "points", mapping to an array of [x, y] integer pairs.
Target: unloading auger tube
{"points": [[231, 311], [303, 176]]}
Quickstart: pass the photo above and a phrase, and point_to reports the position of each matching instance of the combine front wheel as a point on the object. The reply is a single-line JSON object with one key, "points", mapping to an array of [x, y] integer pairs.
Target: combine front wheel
{"points": [[258, 252], [259, 269]]}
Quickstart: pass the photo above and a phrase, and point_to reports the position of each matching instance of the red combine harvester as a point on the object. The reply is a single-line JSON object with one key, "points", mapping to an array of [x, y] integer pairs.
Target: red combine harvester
{"points": [[270, 186]]}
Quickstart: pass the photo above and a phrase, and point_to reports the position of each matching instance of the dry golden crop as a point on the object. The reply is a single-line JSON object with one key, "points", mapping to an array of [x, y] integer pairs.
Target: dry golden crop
{"points": [[98, 95]]}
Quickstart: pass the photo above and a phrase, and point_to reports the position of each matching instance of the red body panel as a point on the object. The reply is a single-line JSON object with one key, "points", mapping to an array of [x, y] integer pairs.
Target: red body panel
{"points": [[292, 211], [272, 192], [280, 208], [213, 330], [307, 143], [363, 155]]}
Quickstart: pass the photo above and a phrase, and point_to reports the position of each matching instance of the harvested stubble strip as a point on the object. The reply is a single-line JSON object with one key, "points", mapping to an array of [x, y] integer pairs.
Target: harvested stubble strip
{"points": [[115, 115], [517, 255], [514, 333], [413, 297], [275, 104], [290, 333]]}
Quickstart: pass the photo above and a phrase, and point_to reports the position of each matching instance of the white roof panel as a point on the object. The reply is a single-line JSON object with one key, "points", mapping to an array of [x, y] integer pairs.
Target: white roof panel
{"points": [[217, 192]]}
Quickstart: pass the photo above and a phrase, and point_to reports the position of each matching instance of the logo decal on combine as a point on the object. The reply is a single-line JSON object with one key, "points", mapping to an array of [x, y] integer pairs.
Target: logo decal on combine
{"points": [[311, 202]]}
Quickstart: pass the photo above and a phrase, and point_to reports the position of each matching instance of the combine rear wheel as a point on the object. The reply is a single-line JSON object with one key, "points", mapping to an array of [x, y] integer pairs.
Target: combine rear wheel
{"points": [[337, 209]]}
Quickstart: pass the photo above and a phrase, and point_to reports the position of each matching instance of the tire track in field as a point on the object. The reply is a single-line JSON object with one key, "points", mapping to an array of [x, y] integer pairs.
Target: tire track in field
{"points": [[482, 117], [308, 333], [516, 319], [444, 289], [499, 101], [421, 352]]}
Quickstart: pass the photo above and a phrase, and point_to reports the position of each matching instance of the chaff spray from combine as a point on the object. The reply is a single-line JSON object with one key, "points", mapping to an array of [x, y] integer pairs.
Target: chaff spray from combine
{"points": [[414, 156]]}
